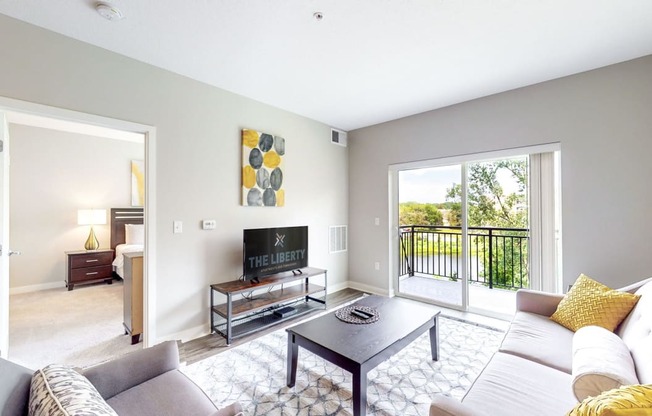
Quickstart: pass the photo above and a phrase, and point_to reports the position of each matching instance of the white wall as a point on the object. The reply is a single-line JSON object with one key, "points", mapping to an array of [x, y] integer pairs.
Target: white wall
{"points": [[53, 174], [198, 161], [601, 118]]}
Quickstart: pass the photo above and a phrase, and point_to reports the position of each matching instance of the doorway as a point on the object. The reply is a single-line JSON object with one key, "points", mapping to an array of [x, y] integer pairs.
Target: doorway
{"points": [[59, 116]]}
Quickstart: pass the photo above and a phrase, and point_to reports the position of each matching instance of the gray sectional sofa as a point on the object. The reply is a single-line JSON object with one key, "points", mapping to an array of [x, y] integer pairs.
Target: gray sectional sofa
{"points": [[142, 383], [532, 372]]}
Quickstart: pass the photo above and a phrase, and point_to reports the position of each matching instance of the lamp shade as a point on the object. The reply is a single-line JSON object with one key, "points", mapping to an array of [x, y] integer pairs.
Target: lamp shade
{"points": [[91, 217]]}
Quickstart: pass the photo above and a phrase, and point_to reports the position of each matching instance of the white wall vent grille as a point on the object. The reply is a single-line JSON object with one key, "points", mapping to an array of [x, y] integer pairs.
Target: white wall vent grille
{"points": [[338, 238], [338, 137]]}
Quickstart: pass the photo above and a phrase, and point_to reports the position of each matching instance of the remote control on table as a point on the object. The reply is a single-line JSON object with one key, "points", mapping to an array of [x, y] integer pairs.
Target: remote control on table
{"points": [[361, 314]]}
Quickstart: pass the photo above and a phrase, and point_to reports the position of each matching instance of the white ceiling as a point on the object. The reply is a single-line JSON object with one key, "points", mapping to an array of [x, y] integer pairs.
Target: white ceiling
{"points": [[367, 61]]}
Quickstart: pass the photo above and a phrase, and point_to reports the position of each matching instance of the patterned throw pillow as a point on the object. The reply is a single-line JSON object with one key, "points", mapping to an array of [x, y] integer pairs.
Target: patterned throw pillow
{"points": [[591, 303], [58, 390], [634, 400]]}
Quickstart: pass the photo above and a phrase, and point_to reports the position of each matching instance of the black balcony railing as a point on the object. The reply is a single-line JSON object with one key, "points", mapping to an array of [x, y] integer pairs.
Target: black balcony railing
{"points": [[498, 257]]}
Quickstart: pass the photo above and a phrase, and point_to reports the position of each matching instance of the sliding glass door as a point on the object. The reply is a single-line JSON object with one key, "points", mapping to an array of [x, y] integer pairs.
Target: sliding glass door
{"points": [[430, 237], [465, 235]]}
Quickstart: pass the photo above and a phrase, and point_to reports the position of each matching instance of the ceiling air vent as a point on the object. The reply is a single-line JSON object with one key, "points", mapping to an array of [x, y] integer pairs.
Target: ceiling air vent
{"points": [[338, 137], [338, 238]]}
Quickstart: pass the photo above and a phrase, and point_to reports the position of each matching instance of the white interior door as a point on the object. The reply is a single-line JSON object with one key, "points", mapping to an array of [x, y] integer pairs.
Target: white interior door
{"points": [[4, 236]]}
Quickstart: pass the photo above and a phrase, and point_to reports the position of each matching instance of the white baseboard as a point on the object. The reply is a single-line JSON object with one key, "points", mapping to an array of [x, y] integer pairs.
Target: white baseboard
{"points": [[332, 288], [186, 335], [367, 288], [36, 288]]}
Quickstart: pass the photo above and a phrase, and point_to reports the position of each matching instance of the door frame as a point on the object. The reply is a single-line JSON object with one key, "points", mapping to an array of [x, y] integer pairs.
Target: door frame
{"points": [[393, 173], [11, 105]]}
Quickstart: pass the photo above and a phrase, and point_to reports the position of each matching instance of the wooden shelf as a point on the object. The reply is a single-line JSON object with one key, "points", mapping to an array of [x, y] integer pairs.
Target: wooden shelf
{"points": [[236, 287], [265, 320], [263, 300]]}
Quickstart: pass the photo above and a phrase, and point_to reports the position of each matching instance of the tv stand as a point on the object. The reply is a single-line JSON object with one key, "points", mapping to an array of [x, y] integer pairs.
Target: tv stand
{"points": [[244, 314]]}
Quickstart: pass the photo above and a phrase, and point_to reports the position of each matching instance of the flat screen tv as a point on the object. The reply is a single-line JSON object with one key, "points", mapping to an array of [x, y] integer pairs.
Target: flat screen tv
{"points": [[274, 250]]}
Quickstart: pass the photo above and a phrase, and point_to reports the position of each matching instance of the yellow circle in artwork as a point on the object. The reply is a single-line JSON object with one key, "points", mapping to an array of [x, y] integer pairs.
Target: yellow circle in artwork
{"points": [[248, 177], [280, 198], [250, 138], [271, 159]]}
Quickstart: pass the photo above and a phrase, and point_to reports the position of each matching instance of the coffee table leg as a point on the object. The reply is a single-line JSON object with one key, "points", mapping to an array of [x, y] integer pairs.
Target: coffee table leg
{"points": [[293, 355], [434, 339], [359, 393]]}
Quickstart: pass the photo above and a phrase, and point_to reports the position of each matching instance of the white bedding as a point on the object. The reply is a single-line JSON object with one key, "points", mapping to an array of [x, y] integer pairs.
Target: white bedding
{"points": [[120, 249]]}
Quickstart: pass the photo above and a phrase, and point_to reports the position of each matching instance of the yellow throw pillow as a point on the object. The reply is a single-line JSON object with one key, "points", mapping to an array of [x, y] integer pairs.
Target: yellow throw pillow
{"points": [[591, 303], [633, 400]]}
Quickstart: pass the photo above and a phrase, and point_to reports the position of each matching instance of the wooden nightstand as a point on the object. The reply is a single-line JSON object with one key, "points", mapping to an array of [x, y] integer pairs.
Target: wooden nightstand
{"points": [[88, 266]]}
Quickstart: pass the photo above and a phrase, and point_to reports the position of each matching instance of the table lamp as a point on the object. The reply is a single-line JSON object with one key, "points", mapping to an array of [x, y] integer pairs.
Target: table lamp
{"points": [[91, 217]]}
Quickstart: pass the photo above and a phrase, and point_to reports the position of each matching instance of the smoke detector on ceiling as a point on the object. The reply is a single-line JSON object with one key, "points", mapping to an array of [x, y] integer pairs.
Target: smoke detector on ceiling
{"points": [[108, 11]]}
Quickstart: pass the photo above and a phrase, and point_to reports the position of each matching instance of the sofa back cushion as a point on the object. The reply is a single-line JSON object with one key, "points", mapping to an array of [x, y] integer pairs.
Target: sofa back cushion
{"points": [[14, 388], [636, 332]]}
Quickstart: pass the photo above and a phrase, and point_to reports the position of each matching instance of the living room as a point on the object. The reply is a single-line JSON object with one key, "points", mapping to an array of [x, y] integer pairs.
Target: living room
{"points": [[600, 118]]}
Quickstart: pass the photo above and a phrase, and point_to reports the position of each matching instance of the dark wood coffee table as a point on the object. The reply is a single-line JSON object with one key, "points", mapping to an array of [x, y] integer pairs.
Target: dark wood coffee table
{"points": [[358, 348]]}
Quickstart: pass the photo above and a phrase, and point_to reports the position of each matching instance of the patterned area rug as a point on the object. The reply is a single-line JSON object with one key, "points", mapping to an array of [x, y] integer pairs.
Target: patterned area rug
{"points": [[254, 374]]}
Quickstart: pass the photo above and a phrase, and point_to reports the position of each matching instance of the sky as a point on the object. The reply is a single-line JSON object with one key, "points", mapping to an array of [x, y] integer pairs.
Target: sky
{"points": [[429, 185]]}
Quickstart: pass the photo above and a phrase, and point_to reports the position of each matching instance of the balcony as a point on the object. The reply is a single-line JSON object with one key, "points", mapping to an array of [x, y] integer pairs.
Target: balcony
{"points": [[430, 261]]}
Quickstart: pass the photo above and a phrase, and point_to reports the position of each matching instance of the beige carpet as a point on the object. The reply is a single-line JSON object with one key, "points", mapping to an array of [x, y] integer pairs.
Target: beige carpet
{"points": [[80, 328]]}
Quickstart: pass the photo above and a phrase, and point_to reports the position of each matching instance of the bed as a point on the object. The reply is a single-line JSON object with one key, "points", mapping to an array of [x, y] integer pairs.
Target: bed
{"points": [[127, 234]]}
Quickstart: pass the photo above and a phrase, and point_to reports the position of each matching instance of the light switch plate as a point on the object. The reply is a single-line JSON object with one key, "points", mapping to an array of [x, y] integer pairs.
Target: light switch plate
{"points": [[177, 227]]}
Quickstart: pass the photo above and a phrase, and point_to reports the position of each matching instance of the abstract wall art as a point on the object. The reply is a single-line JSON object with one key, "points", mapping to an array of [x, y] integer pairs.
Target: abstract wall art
{"points": [[137, 183], [262, 169]]}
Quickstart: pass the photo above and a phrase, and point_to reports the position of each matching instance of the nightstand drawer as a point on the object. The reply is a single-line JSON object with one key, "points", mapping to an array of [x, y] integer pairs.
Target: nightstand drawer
{"points": [[91, 260], [90, 273]]}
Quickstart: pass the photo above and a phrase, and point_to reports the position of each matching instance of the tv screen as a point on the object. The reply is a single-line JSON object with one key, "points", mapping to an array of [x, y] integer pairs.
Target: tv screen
{"points": [[274, 250]]}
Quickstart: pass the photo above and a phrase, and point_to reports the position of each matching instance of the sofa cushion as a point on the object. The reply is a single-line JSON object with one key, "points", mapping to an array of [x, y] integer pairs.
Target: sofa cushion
{"points": [[590, 302], [510, 385], [636, 332], [115, 376], [537, 338], [624, 401], [171, 393], [58, 390], [601, 362]]}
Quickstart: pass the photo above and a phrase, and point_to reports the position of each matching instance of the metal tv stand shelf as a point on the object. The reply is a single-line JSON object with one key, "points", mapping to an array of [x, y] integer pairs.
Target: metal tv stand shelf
{"points": [[255, 303]]}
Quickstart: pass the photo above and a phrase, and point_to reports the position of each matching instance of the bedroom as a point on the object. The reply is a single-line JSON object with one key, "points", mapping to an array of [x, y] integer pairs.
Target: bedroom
{"points": [[46, 192]]}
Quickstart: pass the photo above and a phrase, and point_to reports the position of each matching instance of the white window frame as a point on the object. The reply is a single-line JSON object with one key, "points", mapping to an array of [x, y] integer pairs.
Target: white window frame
{"points": [[552, 284]]}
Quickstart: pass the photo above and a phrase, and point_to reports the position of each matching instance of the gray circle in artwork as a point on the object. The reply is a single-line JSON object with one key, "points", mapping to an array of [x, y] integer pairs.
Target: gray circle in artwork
{"points": [[262, 178], [269, 197], [254, 198], [279, 145], [266, 142], [276, 179], [255, 158]]}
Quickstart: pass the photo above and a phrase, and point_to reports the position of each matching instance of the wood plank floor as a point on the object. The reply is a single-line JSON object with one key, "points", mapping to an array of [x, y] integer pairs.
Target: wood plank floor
{"points": [[209, 345]]}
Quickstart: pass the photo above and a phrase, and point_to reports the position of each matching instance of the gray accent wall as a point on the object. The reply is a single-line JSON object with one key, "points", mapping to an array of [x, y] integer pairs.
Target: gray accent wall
{"points": [[603, 120], [198, 161]]}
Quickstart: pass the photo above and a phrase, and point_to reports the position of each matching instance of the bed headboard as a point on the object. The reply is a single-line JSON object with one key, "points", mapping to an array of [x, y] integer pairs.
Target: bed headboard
{"points": [[120, 217]]}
